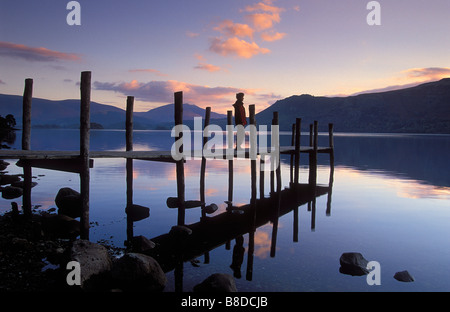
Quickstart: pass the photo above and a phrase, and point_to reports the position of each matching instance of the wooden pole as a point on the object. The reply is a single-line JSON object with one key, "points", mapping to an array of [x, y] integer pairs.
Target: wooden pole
{"points": [[331, 178], [230, 161], [297, 150], [291, 167], [129, 164], [85, 89], [180, 163], [251, 243], [26, 145], [203, 165], [277, 196]]}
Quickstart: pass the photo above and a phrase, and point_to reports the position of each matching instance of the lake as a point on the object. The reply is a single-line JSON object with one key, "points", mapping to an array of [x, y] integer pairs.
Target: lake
{"points": [[390, 201]]}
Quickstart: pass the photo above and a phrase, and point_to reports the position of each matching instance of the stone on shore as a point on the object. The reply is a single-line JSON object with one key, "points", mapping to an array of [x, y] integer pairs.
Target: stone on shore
{"points": [[138, 272], [68, 202], [94, 261], [218, 282]]}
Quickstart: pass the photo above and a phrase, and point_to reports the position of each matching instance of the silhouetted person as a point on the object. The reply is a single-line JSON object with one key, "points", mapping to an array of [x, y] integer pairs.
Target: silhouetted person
{"points": [[239, 118], [238, 256]]}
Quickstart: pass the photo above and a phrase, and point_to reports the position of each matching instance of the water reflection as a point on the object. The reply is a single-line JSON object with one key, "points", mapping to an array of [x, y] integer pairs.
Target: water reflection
{"points": [[173, 249]]}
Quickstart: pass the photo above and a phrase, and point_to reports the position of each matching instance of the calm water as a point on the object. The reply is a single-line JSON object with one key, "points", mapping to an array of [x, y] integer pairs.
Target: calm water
{"points": [[390, 201]]}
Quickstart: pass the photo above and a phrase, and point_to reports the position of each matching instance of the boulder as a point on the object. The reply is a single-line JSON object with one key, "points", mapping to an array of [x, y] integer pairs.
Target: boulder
{"points": [[404, 276], [135, 271], [211, 208], [137, 212], [353, 263], [3, 164], [21, 183], [180, 231], [11, 192], [94, 261], [142, 244], [8, 178], [218, 282], [68, 202]]}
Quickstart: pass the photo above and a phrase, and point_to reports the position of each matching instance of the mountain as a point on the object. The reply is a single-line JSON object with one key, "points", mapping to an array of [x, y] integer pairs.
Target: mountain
{"points": [[66, 114], [421, 109]]}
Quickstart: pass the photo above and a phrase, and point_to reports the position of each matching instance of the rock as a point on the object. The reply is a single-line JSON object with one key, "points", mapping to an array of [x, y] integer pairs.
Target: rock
{"points": [[20, 184], [8, 179], [68, 202], [211, 208], [137, 213], [173, 202], [135, 271], [404, 276], [142, 244], [94, 261], [60, 226], [353, 263], [3, 164], [11, 192], [218, 282], [180, 231]]}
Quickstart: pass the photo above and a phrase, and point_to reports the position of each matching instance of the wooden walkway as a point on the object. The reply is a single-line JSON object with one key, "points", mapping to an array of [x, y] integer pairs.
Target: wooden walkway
{"points": [[83, 160]]}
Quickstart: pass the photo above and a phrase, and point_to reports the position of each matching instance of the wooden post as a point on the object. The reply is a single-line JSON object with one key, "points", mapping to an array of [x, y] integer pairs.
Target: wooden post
{"points": [[277, 196], [251, 243], [180, 163], [129, 164], [291, 167], [230, 161], [297, 150], [331, 179], [203, 165], [85, 89], [26, 145], [331, 142]]}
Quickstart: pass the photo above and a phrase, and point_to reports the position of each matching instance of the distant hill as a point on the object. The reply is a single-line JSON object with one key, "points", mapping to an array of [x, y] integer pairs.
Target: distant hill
{"points": [[66, 114], [421, 109]]}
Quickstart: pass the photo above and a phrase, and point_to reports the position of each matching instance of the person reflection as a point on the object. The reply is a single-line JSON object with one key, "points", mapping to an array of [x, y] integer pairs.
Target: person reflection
{"points": [[238, 256]]}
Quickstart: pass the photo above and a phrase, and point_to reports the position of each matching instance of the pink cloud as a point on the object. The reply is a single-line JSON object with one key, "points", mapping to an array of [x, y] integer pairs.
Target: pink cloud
{"points": [[263, 15], [231, 29], [237, 47], [429, 73], [40, 54], [161, 92], [208, 67], [268, 36]]}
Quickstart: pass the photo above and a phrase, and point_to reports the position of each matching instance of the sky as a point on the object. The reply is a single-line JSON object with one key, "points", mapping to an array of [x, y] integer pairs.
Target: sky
{"points": [[211, 49]]}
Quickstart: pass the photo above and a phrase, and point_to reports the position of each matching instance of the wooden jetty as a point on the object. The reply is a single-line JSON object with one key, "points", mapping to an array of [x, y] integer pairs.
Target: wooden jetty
{"points": [[82, 161]]}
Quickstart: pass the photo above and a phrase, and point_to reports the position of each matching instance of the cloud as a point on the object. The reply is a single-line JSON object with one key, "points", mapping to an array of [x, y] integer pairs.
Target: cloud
{"points": [[2, 82], [428, 73], [236, 47], [263, 15], [20, 51], [148, 70], [162, 92], [231, 29], [267, 36], [208, 67]]}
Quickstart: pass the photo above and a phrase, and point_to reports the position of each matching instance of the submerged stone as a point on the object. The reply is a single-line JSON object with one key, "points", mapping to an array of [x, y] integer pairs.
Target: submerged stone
{"points": [[404, 276], [353, 263]]}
